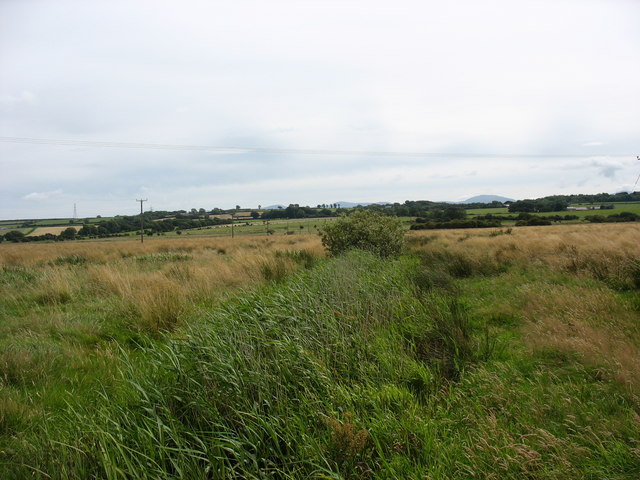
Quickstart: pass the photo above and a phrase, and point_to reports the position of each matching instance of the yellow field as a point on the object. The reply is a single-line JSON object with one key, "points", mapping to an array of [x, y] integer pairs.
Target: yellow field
{"points": [[582, 317], [51, 230]]}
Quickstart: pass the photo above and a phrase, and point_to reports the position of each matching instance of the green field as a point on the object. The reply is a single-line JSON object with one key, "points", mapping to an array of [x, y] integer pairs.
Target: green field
{"points": [[471, 356], [259, 227], [633, 207]]}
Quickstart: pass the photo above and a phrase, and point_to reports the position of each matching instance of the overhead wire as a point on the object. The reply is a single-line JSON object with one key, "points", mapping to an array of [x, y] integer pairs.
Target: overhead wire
{"points": [[292, 151]]}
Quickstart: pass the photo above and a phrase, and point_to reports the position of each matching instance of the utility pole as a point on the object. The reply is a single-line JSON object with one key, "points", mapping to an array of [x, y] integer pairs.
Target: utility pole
{"points": [[141, 221]]}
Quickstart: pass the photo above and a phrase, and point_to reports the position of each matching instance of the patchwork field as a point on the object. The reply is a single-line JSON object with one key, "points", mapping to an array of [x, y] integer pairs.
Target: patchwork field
{"points": [[477, 354], [51, 230], [618, 207]]}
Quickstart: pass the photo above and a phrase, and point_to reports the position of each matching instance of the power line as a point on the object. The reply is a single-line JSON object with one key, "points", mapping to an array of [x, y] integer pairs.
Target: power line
{"points": [[294, 151], [141, 220]]}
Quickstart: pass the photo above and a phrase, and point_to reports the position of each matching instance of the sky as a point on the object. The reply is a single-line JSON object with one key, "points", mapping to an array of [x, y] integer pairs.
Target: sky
{"points": [[515, 98]]}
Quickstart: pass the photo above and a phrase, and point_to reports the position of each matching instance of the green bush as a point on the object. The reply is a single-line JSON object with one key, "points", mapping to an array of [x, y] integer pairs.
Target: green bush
{"points": [[364, 230]]}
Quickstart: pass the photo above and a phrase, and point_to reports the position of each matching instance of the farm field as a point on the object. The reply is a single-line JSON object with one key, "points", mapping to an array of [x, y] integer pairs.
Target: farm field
{"points": [[477, 354], [618, 207], [306, 226], [52, 230]]}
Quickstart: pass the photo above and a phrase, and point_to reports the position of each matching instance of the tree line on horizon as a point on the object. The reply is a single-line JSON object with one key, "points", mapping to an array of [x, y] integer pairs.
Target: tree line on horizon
{"points": [[429, 215]]}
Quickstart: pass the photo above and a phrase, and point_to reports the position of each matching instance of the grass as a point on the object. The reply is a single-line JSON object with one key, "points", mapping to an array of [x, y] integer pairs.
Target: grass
{"points": [[473, 356], [633, 207]]}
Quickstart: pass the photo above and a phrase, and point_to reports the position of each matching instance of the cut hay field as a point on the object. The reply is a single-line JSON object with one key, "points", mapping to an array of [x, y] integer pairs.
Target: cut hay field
{"points": [[483, 354], [51, 230]]}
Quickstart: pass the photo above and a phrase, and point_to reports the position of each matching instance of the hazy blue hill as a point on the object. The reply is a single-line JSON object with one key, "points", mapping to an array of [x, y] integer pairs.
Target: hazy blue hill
{"points": [[487, 199]]}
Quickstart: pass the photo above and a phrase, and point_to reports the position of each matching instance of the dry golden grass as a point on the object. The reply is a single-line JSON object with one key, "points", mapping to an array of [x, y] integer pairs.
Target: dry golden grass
{"points": [[30, 254], [151, 284], [582, 318], [600, 250], [586, 321]]}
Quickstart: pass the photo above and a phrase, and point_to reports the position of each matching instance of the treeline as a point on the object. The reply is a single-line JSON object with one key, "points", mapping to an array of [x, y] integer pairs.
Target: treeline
{"points": [[119, 226], [527, 216], [150, 223], [559, 203], [451, 216], [296, 211], [546, 204], [617, 217], [16, 236], [423, 224]]}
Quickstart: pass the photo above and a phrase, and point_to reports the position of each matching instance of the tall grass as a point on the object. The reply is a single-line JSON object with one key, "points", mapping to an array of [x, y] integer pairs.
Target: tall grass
{"points": [[64, 306], [353, 369], [272, 385], [499, 356]]}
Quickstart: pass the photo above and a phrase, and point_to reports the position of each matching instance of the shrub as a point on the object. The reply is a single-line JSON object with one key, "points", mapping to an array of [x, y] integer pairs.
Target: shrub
{"points": [[364, 230]]}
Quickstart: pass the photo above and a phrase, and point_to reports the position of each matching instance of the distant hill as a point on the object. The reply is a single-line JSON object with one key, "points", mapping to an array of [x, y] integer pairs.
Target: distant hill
{"points": [[362, 204], [487, 199], [273, 207]]}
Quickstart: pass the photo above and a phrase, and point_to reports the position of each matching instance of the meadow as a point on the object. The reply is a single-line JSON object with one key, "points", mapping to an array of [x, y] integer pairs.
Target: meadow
{"points": [[618, 207], [477, 354]]}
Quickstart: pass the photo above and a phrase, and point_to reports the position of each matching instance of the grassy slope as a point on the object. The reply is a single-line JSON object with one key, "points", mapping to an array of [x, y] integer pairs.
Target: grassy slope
{"points": [[472, 359]]}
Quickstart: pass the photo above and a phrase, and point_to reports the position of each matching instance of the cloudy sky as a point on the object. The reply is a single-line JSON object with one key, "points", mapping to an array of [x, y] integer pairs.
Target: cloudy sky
{"points": [[531, 97]]}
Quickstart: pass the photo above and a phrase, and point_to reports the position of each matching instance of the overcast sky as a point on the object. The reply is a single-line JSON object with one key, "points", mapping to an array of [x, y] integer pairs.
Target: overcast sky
{"points": [[556, 77]]}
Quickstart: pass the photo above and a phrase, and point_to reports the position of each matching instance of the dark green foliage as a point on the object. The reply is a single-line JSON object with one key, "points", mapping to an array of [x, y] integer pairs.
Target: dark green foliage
{"points": [[364, 230], [68, 234], [426, 224], [533, 221], [14, 236], [296, 211], [546, 204], [620, 217]]}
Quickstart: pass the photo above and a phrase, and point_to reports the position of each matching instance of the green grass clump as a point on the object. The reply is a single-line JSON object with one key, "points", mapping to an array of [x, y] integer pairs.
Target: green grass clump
{"points": [[360, 367], [164, 257]]}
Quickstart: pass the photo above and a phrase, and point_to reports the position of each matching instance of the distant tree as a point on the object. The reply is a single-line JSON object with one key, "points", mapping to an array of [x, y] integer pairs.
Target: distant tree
{"points": [[14, 236], [68, 234], [237, 207]]}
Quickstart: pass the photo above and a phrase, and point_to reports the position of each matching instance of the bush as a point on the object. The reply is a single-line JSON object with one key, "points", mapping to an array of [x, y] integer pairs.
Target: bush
{"points": [[364, 230]]}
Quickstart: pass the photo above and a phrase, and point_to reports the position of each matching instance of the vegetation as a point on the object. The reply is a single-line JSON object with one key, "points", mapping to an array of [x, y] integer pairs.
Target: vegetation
{"points": [[429, 216], [296, 211], [492, 354], [365, 230], [546, 204]]}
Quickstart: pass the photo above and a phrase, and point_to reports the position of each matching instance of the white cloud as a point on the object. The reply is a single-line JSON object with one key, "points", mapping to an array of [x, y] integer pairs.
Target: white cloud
{"points": [[478, 77], [25, 97], [40, 196]]}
